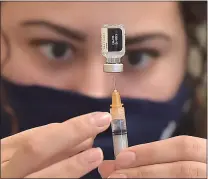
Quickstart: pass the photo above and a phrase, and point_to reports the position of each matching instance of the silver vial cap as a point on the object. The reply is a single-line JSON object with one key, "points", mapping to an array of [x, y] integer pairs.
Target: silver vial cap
{"points": [[113, 68]]}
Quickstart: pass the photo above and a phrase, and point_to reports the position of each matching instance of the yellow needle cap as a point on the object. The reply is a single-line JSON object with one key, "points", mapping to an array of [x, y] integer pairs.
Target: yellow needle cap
{"points": [[116, 99]]}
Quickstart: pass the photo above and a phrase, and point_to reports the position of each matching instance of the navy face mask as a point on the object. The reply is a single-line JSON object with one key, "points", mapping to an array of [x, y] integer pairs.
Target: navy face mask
{"points": [[146, 120]]}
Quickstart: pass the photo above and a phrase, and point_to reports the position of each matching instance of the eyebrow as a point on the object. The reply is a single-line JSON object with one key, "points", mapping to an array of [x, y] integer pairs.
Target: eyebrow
{"points": [[68, 32], [141, 38]]}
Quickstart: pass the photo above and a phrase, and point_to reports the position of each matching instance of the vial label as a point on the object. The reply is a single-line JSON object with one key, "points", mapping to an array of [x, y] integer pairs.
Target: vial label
{"points": [[118, 127], [114, 39], [104, 40]]}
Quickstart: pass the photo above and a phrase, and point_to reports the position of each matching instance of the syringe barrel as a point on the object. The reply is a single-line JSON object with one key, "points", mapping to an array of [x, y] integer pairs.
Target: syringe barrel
{"points": [[119, 130]]}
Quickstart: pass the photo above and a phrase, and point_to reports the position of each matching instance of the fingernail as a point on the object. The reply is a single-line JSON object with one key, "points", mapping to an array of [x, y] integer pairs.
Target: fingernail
{"points": [[93, 155], [125, 159], [118, 176], [101, 119]]}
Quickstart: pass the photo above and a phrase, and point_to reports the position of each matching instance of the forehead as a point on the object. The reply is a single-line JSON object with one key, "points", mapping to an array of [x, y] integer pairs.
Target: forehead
{"points": [[92, 15]]}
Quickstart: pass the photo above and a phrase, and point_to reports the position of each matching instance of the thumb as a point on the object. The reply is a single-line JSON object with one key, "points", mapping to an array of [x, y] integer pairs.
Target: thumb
{"points": [[106, 168]]}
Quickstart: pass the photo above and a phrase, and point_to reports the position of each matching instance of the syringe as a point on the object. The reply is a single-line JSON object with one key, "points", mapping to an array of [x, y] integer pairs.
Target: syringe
{"points": [[118, 124], [113, 48]]}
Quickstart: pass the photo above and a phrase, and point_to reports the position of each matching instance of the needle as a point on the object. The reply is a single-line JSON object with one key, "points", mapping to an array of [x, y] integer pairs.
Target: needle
{"points": [[114, 80]]}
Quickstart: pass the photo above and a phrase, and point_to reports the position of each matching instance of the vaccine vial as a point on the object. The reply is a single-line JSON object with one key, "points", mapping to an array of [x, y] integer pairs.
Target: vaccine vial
{"points": [[113, 47]]}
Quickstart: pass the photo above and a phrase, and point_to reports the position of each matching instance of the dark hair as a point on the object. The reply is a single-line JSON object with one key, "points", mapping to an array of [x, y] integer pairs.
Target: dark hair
{"points": [[194, 13]]}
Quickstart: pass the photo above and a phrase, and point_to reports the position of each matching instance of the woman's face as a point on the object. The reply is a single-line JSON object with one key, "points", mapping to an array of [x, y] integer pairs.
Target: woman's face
{"points": [[58, 44]]}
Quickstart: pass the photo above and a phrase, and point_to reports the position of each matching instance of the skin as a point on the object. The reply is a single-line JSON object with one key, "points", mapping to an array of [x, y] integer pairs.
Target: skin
{"points": [[64, 159], [152, 77], [178, 157]]}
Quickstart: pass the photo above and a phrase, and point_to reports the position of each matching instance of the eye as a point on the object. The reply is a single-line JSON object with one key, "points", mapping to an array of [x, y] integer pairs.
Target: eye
{"points": [[54, 50], [141, 58]]}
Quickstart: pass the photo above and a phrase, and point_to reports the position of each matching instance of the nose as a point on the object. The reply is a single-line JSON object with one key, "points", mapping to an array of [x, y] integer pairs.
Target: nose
{"points": [[93, 81]]}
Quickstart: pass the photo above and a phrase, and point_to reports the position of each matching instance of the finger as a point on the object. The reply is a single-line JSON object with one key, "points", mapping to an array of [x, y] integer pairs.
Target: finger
{"points": [[183, 148], [7, 154], [10, 144], [106, 168], [183, 169], [48, 143], [22, 136], [74, 167], [4, 164], [79, 148], [87, 144]]}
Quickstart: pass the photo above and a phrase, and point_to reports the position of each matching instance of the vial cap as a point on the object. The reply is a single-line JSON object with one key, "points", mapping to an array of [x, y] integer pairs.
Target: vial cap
{"points": [[113, 68]]}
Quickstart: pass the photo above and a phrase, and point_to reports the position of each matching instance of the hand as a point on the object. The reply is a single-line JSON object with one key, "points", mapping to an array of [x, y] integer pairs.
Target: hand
{"points": [[61, 150], [178, 157]]}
